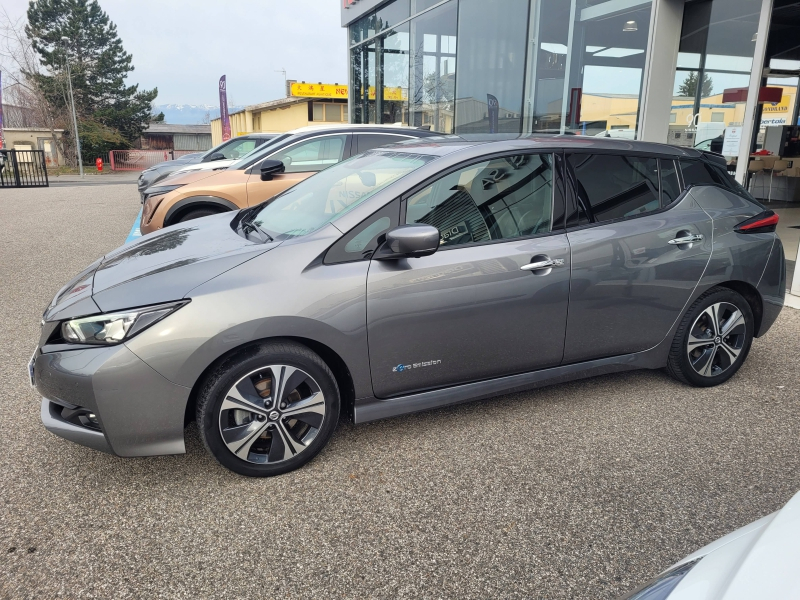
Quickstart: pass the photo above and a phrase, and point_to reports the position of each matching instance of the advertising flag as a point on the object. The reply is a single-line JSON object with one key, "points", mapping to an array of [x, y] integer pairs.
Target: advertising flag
{"points": [[494, 112], [223, 110], [2, 139]]}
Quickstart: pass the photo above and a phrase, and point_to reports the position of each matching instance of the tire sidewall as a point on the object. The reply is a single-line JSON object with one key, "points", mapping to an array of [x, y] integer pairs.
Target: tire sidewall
{"points": [[208, 419], [721, 295]]}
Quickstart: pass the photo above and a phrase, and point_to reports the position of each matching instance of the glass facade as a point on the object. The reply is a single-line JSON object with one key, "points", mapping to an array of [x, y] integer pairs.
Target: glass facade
{"points": [[471, 66], [715, 58]]}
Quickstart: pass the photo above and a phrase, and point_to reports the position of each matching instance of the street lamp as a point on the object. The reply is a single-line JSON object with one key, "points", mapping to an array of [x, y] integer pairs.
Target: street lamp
{"points": [[66, 40]]}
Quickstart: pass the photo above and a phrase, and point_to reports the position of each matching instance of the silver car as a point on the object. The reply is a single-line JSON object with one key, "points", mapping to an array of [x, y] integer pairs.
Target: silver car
{"points": [[410, 277]]}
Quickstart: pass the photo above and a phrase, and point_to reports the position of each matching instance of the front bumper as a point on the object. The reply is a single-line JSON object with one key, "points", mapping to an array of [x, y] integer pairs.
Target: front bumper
{"points": [[138, 412]]}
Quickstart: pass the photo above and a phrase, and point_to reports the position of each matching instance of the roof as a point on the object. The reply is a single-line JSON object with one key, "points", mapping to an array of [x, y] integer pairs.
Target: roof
{"points": [[165, 128], [447, 144], [280, 103]]}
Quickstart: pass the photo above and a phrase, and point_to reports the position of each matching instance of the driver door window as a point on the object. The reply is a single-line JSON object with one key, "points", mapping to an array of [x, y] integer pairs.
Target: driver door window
{"points": [[312, 155], [502, 198]]}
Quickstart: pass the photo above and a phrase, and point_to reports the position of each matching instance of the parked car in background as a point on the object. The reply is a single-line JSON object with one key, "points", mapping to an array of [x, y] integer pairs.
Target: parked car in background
{"points": [[406, 278], [760, 560], [257, 177], [233, 149]]}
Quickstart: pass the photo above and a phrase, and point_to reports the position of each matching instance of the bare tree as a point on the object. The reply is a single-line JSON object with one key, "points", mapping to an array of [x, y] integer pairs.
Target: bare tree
{"points": [[18, 60]]}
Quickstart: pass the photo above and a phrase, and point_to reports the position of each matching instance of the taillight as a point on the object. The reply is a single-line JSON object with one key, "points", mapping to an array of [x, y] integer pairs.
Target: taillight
{"points": [[764, 222]]}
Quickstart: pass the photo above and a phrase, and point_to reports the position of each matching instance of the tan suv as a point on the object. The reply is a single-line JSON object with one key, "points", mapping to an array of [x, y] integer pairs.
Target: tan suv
{"points": [[302, 152]]}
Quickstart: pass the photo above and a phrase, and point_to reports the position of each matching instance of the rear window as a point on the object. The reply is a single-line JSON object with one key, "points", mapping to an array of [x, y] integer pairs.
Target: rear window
{"points": [[699, 172]]}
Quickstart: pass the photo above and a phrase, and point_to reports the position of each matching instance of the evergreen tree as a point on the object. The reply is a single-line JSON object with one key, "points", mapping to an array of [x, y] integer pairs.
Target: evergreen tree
{"points": [[689, 86], [110, 113]]}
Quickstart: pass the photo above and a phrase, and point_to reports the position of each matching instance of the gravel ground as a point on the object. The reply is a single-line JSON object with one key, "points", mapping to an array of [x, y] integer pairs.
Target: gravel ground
{"points": [[576, 491]]}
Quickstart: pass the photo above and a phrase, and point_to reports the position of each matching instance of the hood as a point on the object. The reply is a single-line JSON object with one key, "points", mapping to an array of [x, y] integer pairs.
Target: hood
{"points": [[214, 165], [759, 560], [190, 177], [159, 267]]}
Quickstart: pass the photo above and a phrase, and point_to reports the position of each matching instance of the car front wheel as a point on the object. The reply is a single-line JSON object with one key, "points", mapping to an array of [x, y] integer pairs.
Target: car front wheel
{"points": [[713, 339], [269, 410]]}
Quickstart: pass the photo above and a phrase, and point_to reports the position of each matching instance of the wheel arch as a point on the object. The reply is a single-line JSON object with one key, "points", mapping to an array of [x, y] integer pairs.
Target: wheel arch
{"points": [[181, 207], [336, 364], [753, 297]]}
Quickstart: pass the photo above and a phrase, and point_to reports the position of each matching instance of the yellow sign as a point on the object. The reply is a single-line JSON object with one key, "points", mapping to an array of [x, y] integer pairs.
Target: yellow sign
{"points": [[327, 90], [319, 90], [395, 94], [782, 107]]}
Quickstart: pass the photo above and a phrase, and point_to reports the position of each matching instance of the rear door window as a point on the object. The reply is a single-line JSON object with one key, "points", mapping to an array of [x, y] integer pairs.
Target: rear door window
{"points": [[610, 186], [670, 185]]}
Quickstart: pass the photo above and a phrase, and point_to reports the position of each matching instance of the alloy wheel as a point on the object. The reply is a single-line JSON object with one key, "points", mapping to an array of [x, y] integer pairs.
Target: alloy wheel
{"points": [[716, 339], [272, 414]]}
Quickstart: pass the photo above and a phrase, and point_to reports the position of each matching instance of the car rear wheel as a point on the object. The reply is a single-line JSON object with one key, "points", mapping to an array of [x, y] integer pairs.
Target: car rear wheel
{"points": [[713, 339], [269, 410], [197, 213]]}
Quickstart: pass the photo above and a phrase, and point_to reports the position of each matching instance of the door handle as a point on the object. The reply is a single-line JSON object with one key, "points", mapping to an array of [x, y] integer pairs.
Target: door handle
{"points": [[543, 264], [687, 239]]}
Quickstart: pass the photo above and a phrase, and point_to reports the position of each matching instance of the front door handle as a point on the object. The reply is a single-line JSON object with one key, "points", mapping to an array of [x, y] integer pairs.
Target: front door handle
{"points": [[543, 264], [687, 239]]}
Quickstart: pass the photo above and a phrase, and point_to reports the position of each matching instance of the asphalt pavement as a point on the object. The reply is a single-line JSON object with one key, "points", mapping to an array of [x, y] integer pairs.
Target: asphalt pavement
{"points": [[581, 490]]}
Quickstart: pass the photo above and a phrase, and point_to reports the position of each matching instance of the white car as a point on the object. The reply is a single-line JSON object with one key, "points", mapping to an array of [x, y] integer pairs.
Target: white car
{"points": [[760, 561]]}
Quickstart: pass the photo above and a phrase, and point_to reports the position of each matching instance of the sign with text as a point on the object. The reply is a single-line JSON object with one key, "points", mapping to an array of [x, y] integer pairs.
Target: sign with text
{"points": [[319, 90], [730, 143], [331, 90]]}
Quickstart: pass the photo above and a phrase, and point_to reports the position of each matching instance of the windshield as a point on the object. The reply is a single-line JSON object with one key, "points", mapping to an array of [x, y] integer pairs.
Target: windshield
{"points": [[257, 153], [329, 194]]}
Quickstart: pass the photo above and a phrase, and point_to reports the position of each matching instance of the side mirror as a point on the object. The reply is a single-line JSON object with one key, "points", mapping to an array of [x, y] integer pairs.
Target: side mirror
{"points": [[269, 168], [408, 241], [214, 156]]}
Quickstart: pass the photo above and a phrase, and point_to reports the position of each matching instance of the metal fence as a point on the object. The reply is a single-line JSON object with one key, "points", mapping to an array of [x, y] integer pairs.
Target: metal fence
{"points": [[23, 168], [139, 160]]}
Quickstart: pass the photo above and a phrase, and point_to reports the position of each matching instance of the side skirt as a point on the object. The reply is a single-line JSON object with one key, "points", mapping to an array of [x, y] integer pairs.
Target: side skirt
{"points": [[372, 409]]}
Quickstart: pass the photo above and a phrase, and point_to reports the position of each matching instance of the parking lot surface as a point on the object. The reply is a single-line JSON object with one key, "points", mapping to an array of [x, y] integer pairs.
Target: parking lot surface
{"points": [[581, 490]]}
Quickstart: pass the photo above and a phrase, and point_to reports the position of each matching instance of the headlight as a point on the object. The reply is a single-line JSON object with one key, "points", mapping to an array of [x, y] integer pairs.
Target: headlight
{"points": [[161, 189], [662, 586], [114, 328]]}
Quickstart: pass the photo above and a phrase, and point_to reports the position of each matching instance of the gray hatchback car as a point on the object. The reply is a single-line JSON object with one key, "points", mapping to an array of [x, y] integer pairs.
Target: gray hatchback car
{"points": [[407, 278]]}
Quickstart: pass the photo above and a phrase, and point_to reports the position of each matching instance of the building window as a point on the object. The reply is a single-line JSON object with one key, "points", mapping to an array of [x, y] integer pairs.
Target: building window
{"points": [[715, 54], [593, 84], [329, 111], [491, 66], [673, 117]]}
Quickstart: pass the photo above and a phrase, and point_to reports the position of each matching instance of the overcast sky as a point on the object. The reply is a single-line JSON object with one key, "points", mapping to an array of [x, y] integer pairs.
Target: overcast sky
{"points": [[184, 46]]}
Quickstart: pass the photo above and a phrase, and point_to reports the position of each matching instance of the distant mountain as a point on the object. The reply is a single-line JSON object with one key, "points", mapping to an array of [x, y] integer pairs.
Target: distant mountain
{"points": [[189, 114]]}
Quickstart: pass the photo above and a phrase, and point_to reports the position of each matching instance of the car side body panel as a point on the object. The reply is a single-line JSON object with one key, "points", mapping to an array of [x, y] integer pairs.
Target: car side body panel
{"points": [[629, 284], [739, 258], [291, 294]]}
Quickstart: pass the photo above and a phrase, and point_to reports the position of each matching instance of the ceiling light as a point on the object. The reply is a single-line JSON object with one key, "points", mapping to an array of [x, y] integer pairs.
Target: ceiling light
{"points": [[630, 26]]}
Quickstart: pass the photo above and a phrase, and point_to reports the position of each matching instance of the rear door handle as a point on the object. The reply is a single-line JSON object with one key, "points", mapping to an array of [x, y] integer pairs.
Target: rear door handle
{"points": [[687, 239], [543, 264]]}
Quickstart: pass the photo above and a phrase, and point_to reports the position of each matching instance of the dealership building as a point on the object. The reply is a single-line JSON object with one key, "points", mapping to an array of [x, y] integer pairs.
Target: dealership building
{"points": [[714, 74]]}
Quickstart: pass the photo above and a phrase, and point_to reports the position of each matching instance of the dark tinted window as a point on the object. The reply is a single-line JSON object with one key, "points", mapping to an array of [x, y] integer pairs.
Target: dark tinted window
{"points": [[613, 187], [362, 240], [697, 172], [502, 198], [670, 186], [368, 141]]}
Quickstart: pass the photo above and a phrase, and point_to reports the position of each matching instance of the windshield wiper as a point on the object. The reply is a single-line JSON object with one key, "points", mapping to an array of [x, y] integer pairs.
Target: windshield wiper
{"points": [[248, 225]]}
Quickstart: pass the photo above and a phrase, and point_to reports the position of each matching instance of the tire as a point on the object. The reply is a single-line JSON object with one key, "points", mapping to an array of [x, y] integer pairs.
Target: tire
{"points": [[253, 434], [197, 213], [700, 356]]}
